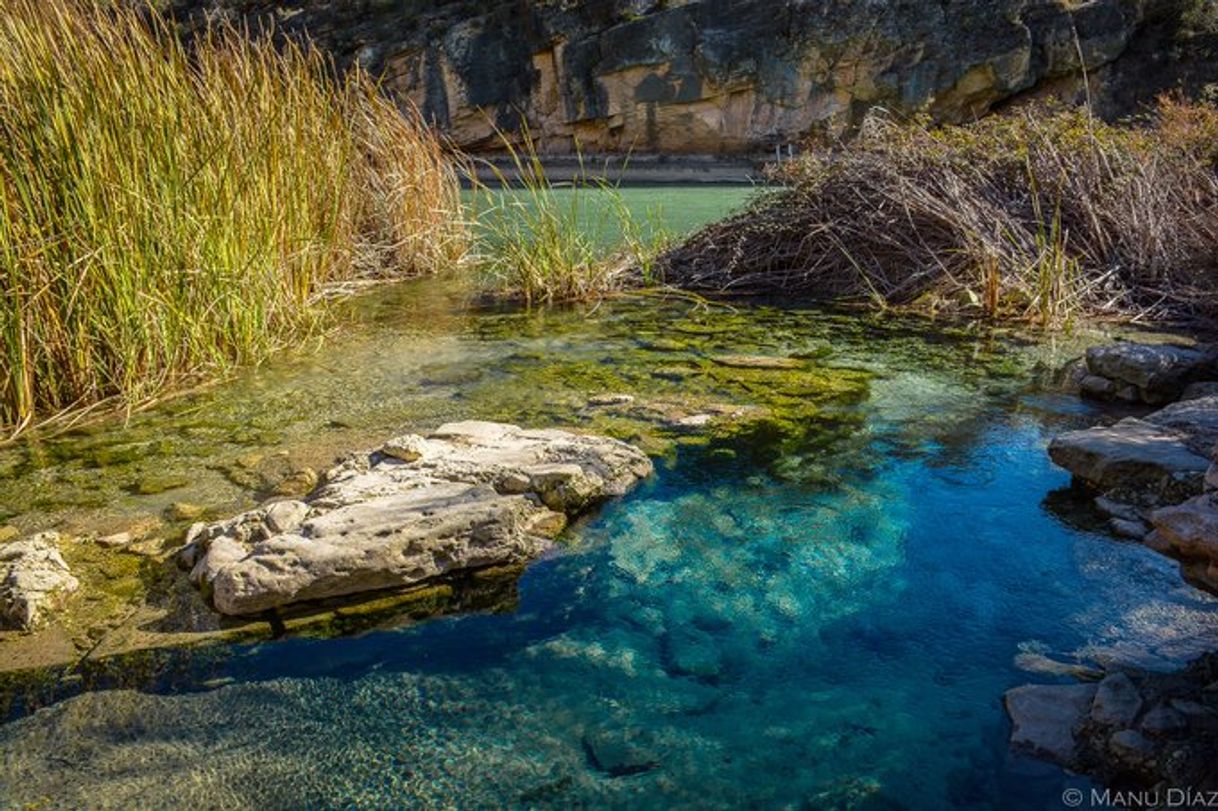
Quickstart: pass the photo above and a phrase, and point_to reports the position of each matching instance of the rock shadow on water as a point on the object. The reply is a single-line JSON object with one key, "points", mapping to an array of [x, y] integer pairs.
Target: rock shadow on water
{"points": [[216, 657]]}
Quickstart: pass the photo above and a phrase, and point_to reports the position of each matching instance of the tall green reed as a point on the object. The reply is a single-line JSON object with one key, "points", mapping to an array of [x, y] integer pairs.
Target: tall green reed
{"points": [[167, 212]]}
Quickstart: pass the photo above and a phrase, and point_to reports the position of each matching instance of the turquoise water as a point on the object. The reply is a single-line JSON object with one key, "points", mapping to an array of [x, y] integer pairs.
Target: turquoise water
{"points": [[656, 212], [821, 612], [824, 624]]}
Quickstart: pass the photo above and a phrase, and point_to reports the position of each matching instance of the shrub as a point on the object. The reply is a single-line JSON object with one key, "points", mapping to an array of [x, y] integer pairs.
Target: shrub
{"points": [[168, 212], [1040, 214]]}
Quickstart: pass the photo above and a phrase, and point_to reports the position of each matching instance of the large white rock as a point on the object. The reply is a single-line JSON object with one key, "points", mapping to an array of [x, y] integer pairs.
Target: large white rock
{"points": [[34, 578], [470, 494]]}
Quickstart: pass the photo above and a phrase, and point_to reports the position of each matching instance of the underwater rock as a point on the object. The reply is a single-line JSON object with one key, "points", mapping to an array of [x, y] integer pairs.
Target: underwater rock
{"points": [[1117, 701], [478, 494], [757, 362], [1150, 373], [610, 399], [183, 511], [34, 578], [1045, 716], [115, 541]]}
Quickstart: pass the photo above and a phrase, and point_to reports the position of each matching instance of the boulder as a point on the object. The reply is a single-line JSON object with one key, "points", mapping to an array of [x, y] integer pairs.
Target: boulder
{"points": [[1045, 717], [473, 494], [1163, 722], [1131, 750], [1189, 529], [1157, 372], [1196, 420], [34, 579], [1133, 456], [1189, 532], [1116, 702]]}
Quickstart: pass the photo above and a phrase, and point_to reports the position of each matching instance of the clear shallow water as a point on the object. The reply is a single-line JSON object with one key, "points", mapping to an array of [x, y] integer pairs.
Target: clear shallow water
{"points": [[821, 611]]}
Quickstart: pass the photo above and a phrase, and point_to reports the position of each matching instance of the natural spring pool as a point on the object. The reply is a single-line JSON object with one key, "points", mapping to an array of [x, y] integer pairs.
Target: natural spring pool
{"points": [[818, 606]]}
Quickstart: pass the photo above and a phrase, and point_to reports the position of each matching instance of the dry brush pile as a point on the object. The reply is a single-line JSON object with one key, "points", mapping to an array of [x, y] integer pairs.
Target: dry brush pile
{"points": [[1039, 214]]}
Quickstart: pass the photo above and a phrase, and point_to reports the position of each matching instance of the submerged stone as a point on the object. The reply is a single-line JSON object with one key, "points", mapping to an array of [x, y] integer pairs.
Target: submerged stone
{"points": [[1045, 717], [757, 362]]}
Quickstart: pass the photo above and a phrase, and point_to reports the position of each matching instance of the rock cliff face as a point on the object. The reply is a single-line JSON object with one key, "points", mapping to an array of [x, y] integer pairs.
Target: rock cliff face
{"points": [[716, 76]]}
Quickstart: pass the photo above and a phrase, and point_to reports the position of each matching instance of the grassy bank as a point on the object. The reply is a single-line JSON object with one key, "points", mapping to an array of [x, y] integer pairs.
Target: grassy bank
{"points": [[1038, 214], [166, 213]]}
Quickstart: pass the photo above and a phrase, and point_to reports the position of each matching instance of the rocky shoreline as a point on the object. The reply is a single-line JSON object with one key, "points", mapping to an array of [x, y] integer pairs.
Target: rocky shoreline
{"points": [[1155, 478], [420, 526]]}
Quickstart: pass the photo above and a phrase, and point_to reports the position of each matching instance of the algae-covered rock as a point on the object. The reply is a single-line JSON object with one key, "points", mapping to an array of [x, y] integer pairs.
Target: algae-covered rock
{"points": [[477, 494]]}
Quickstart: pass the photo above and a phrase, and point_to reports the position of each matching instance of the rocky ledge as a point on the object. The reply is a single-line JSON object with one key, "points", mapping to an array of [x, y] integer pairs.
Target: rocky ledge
{"points": [[1129, 730], [723, 76], [1157, 479], [1154, 476], [466, 496]]}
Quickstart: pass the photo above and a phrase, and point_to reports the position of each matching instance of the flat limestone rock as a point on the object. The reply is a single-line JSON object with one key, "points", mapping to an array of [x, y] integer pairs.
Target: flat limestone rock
{"points": [[34, 579], [1196, 419], [468, 495], [1132, 455], [1045, 717], [1159, 372]]}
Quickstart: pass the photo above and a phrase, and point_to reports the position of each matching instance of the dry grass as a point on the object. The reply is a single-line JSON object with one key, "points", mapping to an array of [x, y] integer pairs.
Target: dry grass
{"points": [[166, 214], [1040, 215]]}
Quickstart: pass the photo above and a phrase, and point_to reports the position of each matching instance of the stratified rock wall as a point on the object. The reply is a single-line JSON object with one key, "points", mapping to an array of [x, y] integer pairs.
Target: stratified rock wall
{"points": [[715, 76]]}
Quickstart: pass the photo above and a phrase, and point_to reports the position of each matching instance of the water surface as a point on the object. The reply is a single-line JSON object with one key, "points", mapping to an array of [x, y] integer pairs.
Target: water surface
{"points": [[818, 608]]}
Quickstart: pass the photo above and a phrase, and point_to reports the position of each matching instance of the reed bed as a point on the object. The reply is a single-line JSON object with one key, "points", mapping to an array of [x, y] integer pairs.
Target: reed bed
{"points": [[168, 212], [543, 244], [1041, 214]]}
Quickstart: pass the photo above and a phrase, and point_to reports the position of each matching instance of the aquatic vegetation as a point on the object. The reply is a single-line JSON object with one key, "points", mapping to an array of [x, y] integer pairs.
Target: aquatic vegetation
{"points": [[1040, 215], [545, 247], [169, 211]]}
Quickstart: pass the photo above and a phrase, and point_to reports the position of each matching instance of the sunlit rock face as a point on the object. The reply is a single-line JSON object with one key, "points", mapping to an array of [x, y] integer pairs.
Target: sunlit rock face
{"points": [[469, 495], [712, 76]]}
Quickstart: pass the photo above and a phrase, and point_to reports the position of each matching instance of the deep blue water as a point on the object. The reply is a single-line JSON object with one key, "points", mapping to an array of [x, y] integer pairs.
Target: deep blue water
{"points": [[724, 637]]}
